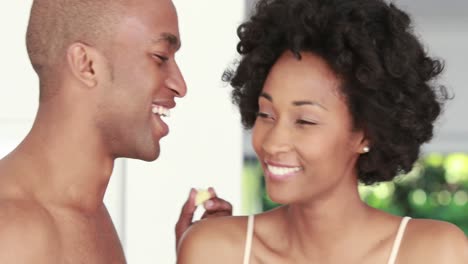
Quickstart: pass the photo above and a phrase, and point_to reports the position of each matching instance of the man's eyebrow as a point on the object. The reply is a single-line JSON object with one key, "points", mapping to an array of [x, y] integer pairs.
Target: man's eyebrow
{"points": [[171, 39], [312, 103]]}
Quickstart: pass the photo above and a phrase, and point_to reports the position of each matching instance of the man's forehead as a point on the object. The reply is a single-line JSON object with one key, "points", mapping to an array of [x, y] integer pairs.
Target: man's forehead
{"points": [[170, 38]]}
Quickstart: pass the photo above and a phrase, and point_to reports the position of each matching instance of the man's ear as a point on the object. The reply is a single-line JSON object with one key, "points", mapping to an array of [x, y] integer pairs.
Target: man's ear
{"points": [[81, 60]]}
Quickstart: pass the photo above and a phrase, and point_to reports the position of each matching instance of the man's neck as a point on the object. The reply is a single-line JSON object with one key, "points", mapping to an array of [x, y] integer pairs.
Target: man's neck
{"points": [[63, 163]]}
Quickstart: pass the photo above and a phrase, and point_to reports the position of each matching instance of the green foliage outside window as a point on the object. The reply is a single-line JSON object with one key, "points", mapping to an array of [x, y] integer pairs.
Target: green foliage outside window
{"points": [[436, 188]]}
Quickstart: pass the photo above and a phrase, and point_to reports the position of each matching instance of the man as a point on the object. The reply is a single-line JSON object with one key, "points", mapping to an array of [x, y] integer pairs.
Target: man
{"points": [[107, 75]]}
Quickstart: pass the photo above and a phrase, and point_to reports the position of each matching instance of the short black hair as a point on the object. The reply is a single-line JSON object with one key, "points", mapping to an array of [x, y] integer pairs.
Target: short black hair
{"points": [[387, 76]]}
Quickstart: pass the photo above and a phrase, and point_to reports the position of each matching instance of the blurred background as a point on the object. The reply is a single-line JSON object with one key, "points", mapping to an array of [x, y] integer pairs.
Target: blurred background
{"points": [[207, 146]]}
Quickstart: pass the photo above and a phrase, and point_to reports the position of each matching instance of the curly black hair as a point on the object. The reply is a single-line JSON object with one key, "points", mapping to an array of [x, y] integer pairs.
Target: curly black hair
{"points": [[386, 75]]}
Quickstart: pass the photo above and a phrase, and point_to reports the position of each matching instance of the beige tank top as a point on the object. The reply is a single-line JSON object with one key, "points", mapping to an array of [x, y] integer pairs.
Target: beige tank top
{"points": [[391, 260]]}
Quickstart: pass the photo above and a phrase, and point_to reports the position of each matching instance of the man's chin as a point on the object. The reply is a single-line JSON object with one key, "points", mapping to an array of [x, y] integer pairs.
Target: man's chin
{"points": [[146, 156], [152, 157]]}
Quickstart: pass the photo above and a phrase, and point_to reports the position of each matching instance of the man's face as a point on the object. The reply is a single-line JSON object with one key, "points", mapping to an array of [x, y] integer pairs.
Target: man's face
{"points": [[144, 79]]}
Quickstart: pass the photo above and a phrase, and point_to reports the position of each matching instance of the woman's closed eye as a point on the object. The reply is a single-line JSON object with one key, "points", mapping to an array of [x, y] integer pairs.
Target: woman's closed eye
{"points": [[264, 115], [305, 122]]}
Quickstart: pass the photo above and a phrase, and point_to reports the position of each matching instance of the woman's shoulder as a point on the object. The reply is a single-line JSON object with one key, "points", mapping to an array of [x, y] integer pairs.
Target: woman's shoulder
{"points": [[214, 240], [218, 229], [433, 241]]}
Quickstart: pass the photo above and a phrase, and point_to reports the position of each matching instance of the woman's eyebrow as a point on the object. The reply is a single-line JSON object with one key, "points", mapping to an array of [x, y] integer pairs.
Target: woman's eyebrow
{"points": [[312, 103]]}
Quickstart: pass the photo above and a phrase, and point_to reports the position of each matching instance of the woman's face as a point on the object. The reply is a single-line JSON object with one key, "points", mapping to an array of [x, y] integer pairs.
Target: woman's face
{"points": [[303, 134]]}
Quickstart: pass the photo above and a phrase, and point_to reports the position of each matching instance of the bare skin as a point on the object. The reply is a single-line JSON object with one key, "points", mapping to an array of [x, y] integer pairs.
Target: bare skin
{"points": [[49, 220], [52, 185], [223, 239], [323, 220]]}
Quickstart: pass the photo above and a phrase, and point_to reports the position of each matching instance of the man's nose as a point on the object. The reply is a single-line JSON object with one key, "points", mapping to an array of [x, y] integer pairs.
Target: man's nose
{"points": [[176, 82]]}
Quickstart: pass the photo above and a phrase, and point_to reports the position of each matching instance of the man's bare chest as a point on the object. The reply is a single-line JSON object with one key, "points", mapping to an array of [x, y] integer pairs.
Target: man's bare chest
{"points": [[90, 240]]}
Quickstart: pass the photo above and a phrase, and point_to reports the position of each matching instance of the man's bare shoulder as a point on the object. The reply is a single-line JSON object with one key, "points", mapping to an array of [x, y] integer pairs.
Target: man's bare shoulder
{"points": [[26, 233], [431, 241], [214, 240]]}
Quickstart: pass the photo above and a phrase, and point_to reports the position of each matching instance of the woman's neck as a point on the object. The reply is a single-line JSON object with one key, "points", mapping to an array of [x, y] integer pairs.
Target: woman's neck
{"points": [[326, 226]]}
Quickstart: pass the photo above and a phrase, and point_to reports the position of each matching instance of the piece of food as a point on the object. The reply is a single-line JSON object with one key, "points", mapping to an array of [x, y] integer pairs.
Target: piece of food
{"points": [[202, 196]]}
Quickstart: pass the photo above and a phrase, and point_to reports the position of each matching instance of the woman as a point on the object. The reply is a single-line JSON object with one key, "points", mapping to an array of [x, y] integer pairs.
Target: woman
{"points": [[336, 92]]}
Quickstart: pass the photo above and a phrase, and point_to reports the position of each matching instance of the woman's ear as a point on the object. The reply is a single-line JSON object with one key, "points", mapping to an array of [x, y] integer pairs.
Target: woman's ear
{"points": [[364, 146], [362, 143]]}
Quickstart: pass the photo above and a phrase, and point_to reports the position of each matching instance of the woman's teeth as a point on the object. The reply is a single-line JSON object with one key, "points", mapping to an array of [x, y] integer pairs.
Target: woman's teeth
{"points": [[282, 170], [161, 110]]}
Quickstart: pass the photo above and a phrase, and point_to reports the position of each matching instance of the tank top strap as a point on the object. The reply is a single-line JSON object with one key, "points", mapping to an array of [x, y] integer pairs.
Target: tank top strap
{"points": [[248, 241], [398, 239]]}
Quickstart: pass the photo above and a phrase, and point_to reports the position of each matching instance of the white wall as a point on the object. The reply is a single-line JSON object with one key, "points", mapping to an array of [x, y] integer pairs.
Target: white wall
{"points": [[203, 148]]}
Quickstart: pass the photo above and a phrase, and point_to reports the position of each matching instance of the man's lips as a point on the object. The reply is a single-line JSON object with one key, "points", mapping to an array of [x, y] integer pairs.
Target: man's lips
{"points": [[169, 104], [161, 108]]}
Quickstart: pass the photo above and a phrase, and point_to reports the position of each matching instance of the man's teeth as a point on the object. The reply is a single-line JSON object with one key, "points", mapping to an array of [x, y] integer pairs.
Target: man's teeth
{"points": [[161, 110], [283, 170]]}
